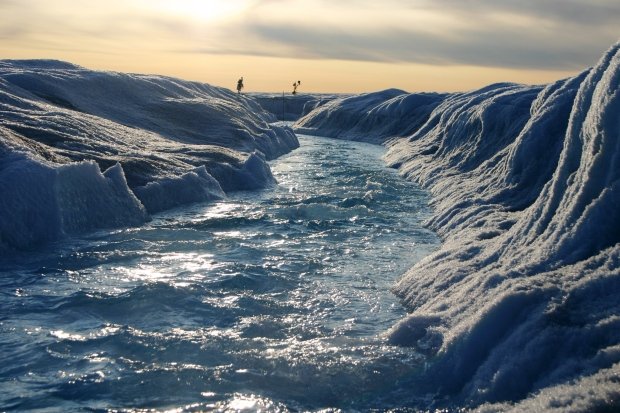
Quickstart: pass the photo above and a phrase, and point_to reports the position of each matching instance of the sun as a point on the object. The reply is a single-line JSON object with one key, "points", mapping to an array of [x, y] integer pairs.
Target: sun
{"points": [[203, 10]]}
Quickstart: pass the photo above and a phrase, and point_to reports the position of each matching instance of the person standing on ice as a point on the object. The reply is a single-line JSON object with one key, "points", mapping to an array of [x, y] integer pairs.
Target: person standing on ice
{"points": [[240, 84], [295, 86]]}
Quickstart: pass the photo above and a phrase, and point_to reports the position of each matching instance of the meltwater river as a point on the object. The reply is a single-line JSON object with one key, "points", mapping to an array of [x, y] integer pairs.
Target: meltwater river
{"points": [[275, 300]]}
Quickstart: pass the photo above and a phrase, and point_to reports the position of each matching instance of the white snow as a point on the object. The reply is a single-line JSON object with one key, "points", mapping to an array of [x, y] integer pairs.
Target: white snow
{"points": [[519, 308], [162, 142]]}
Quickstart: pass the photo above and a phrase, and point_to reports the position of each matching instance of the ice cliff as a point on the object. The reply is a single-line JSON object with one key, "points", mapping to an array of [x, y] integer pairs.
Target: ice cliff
{"points": [[160, 142], [520, 307]]}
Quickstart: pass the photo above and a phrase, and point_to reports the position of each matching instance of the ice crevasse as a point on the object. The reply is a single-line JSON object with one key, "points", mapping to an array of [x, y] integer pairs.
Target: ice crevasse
{"points": [[519, 308]]}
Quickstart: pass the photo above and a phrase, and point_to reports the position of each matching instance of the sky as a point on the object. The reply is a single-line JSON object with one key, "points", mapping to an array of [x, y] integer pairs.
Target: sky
{"points": [[346, 46]]}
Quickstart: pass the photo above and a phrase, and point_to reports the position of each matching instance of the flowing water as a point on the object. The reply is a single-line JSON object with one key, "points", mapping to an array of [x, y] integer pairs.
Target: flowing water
{"points": [[275, 300]]}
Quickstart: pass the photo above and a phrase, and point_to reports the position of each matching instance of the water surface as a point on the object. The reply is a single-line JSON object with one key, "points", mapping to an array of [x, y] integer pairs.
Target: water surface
{"points": [[277, 299]]}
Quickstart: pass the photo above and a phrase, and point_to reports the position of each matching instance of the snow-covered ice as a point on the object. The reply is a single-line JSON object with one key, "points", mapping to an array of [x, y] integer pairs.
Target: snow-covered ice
{"points": [[161, 142], [520, 304]]}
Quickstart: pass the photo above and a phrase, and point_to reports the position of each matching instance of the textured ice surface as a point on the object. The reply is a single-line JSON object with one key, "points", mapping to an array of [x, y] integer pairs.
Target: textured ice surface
{"points": [[285, 106], [520, 305], [162, 142], [41, 201], [381, 113]]}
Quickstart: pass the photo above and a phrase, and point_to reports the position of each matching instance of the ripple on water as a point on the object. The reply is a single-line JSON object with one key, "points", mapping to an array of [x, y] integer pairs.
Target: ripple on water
{"points": [[274, 300]]}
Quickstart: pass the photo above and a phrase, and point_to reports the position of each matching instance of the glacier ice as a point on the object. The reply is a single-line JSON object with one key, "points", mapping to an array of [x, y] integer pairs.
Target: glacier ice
{"points": [[42, 201], [166, 193], [519, 308], [290, 108], [352, 117], [161, 142]]}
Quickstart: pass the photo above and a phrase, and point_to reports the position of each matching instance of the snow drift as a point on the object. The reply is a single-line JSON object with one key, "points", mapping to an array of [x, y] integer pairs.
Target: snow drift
{"points": [[162, 142], [519, 308]]}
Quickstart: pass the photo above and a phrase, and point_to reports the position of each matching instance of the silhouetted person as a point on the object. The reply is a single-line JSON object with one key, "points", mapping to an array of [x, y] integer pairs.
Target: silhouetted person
{"points": [[295, 86], [240, 84]]}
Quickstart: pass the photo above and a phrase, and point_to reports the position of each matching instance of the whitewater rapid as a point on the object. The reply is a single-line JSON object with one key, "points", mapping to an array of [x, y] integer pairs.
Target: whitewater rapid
{"points": [[276, 299]]}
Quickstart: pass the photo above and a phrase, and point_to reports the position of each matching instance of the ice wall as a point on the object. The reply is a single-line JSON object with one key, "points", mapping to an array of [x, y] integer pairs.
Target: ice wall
{"points": [[167, 193], [523, 295], [519, 309], [42, 201], [162, 143], [352, 117]]}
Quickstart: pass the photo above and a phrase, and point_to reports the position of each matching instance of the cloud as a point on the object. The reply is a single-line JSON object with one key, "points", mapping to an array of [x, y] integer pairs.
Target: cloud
{"points": [[579, 12], [513, 49], [552, 34], [115, 26], [533, 34]]}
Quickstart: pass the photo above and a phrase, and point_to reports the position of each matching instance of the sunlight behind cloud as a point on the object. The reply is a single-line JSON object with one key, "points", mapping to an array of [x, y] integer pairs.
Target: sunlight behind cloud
{"points": [[347, 17], [202, 10], [213, 40]]}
